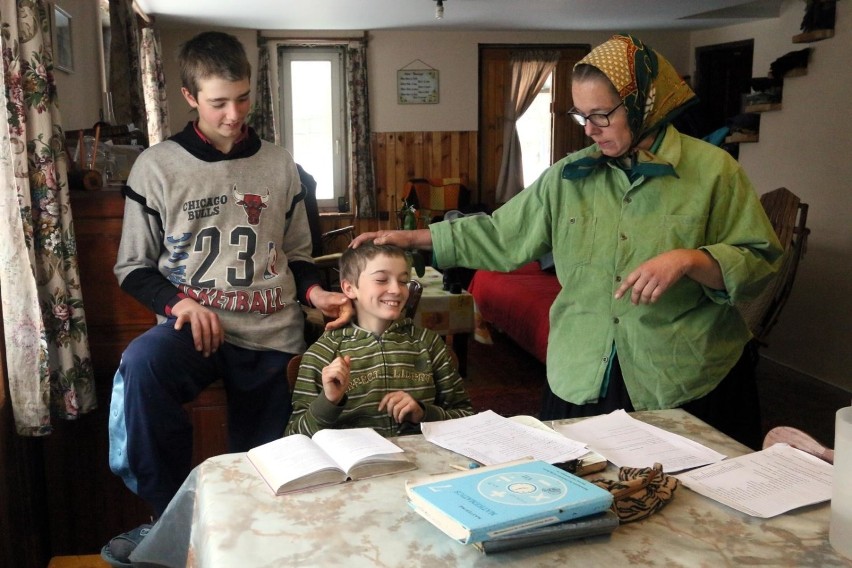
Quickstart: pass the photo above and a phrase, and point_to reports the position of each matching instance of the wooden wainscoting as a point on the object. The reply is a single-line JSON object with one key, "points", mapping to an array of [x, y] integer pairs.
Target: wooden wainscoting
{"points": [[399, 156]]}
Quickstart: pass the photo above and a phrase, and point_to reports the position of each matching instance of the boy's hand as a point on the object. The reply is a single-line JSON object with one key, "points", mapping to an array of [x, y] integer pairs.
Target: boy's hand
{"points": [[335, 379], [402, 407], [207, 331], [333, 305]]}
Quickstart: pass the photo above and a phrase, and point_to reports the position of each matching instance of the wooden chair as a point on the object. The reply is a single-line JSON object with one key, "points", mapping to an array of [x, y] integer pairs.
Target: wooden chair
{"points": [[788, 216]]}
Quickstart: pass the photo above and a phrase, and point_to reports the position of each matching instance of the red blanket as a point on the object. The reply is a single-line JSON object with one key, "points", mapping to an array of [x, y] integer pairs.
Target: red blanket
{"points": [[518, 303]]}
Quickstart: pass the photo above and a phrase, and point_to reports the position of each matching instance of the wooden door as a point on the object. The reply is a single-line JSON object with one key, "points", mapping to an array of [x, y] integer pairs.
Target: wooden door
{"points": [[722, 77], [494, 75]]}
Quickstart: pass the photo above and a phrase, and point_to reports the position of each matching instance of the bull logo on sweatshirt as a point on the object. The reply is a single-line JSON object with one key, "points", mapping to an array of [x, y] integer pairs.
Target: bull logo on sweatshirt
{"points": [[252, 203]]}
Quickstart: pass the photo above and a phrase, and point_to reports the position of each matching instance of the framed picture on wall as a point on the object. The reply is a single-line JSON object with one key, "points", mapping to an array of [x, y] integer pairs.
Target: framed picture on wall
{"points": [[62, 47]]}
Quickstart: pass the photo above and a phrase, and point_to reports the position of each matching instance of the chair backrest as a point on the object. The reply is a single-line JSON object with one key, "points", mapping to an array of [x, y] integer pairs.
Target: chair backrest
{"points": [[293, 371], [788, 216]]}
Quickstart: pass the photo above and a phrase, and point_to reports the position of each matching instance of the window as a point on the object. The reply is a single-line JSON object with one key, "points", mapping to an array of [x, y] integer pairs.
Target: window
{"points": [[534, 132], [313, 102]]}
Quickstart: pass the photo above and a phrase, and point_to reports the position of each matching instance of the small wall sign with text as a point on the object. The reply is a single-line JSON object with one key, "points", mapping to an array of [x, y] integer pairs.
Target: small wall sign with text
{"points": [[417, 86]]}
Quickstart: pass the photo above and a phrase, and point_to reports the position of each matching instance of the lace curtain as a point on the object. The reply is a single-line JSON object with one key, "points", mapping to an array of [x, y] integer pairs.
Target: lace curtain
{"points": [[262, 118], [125, 74], [361, 151], [529, 73], [154, 86], [46, 343]]}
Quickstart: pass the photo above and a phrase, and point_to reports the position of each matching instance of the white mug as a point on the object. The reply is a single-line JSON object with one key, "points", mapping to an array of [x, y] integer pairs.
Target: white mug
{"points": [[840, 531]]}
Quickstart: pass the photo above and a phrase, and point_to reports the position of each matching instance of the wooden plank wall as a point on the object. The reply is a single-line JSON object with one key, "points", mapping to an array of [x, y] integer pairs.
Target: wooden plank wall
{"points": [[399, 156]]}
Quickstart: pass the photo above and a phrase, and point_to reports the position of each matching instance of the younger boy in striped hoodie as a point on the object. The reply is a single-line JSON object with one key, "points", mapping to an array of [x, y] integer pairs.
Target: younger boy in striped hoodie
{"points": [[380, 371]]}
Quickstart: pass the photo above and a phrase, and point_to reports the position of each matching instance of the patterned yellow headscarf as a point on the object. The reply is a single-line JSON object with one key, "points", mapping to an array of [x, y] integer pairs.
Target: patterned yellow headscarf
{"points": [[652, 91]]}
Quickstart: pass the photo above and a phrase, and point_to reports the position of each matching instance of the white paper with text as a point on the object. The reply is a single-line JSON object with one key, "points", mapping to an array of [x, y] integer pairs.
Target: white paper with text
{"points": [[491, 439], [766, 483], [628, 442]]}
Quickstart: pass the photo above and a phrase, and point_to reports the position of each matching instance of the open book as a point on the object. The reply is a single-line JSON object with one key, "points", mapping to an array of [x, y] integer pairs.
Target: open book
{"points": [[331, 456]]}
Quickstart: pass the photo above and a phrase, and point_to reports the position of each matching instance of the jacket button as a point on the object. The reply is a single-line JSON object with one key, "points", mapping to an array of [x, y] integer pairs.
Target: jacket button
{"points": [[614, 320]]}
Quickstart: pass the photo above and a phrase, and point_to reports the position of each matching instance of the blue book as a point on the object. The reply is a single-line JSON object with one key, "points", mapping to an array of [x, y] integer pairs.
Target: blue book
{"points": [[490, 502]]}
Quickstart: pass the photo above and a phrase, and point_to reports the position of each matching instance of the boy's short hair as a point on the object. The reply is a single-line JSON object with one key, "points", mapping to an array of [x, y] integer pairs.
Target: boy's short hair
{"points": [[353, 261], [212, 54]]}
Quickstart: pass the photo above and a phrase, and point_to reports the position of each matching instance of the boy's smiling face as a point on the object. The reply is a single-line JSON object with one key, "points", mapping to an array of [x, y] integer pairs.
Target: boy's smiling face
{"points": [[381, 292], [222, 107]]}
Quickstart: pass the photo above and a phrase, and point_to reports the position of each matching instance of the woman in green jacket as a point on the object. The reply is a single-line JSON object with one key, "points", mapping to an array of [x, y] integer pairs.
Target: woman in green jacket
{"points": [[655, 236]]}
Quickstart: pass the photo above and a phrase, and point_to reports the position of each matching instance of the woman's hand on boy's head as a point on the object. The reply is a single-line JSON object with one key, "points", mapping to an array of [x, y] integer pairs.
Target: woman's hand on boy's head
{"points": [[335, 379], [333, 305], [402, 407], [416, 239]]}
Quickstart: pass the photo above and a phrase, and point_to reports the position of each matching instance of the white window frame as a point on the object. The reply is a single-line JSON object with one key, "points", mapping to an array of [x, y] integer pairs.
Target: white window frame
{"points": [[335, 55]]}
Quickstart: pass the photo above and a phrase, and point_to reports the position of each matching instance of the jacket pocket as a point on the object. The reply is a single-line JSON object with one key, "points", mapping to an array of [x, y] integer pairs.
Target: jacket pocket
{"points": [[683, 231], [580, 240]]}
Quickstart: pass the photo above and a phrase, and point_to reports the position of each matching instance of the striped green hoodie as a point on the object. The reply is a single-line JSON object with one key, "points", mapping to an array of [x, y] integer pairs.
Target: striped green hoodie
{"points": [[404, 357]]}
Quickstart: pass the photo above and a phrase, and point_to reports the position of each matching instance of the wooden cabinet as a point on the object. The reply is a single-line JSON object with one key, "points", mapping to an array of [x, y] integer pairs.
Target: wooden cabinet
{"points": [[114, 318]]}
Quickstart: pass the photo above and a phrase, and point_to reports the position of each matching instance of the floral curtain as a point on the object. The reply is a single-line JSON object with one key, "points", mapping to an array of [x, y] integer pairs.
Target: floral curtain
{"points": [[361, 152], [46, 344], [530, 70], [262, 118], [154, 87]]}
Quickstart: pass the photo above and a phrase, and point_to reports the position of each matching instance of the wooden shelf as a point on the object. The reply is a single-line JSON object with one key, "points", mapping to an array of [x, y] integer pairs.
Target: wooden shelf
{"points": [[813, 35], [763, 107], [739, 138]]}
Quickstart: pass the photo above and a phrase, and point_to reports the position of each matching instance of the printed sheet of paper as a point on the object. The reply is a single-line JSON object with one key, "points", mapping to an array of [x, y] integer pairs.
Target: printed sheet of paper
{"points": [[628, 442], [766, 483], [490, 439]]}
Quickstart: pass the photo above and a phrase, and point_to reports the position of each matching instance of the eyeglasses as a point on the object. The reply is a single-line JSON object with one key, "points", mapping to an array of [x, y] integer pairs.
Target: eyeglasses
{"points": [[598, 119]]}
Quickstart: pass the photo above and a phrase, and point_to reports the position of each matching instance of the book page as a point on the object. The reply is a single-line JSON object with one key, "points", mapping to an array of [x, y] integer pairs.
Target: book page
{"points": [[628, 442], [287, 459], [765, 483], [350, 446], [490, 439]]}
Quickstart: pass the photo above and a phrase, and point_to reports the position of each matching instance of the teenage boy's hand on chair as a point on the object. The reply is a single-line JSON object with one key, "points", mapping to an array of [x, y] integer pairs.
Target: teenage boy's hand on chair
{"points": [[402, 407], [333, 305]]}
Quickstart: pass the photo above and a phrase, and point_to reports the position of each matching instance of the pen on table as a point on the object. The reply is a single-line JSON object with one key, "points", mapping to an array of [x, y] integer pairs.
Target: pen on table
{"points": [[471, 465]]}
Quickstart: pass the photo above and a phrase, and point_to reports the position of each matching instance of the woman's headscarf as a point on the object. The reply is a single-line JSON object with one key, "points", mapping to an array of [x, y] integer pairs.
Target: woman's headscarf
{"points": [[652, 91]]}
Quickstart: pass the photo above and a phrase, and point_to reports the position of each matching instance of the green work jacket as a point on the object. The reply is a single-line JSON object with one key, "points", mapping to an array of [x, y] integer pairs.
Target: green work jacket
{"points": [[600, 228]]}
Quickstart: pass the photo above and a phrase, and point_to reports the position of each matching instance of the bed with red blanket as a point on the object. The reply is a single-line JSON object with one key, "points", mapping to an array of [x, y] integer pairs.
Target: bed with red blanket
{"points": [[518, 303]]}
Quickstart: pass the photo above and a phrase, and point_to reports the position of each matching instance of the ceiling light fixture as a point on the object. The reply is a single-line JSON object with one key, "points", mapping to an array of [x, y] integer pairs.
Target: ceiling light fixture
{"points": [[439, 9]]}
